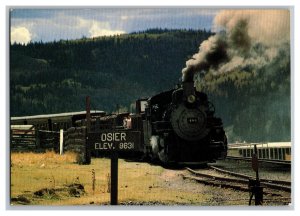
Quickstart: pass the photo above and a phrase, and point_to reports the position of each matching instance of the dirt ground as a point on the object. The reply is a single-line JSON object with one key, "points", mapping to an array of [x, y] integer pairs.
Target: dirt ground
{"points": [[54, 181]]}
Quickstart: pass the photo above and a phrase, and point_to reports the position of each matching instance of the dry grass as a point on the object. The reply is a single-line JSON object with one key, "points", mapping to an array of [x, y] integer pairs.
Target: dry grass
{"points": [[34, 159], [138, 182]]}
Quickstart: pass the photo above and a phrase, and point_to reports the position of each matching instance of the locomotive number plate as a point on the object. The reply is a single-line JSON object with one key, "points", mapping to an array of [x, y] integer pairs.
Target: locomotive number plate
{"points": [[114, 140], [192, 120]]}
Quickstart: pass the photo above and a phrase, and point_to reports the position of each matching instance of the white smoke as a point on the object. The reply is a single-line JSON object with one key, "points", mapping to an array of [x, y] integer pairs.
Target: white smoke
{"points": [[266, 26]]}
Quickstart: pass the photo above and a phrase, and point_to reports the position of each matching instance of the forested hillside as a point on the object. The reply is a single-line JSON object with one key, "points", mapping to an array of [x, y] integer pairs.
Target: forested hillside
{"points": [[115, 71], [56, 77]]}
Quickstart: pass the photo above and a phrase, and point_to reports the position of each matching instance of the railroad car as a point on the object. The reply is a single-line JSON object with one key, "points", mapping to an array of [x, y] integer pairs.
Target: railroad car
{"points": [[270, 150]]}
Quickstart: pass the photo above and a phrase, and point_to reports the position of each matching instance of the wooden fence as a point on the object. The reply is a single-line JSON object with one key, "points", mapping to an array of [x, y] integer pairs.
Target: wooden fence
{"points": [[26, 138], [48, 140], [23, 138]]}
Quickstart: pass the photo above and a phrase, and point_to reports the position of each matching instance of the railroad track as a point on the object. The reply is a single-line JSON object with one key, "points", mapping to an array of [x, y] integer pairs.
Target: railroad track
{"points": [[226, 179], [279, 162]]}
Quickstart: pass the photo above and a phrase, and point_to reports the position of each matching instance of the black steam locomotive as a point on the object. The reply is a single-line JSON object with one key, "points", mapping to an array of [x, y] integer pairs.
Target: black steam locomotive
{"points": [[179, 126]]}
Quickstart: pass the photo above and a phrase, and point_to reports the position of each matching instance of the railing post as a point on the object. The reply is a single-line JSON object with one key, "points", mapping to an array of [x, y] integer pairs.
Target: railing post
{"points": [[254, 185]]}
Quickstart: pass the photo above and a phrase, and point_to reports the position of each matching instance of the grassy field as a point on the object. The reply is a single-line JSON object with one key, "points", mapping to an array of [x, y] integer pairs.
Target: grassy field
{"points": [[51, 179]]}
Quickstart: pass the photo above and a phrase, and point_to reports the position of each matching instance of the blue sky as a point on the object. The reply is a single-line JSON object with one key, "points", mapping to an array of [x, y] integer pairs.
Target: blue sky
{"points": [[48, 24]]}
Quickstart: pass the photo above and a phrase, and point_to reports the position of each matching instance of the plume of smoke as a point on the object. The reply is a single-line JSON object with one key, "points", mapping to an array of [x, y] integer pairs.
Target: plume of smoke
{"points": [[246, 39], [211, 53], [266, 26]]}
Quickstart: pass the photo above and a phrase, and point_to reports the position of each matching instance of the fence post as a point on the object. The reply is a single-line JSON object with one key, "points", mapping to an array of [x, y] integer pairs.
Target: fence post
{"points": [[88, 113], [87, 130], [61, 141], [37, 138]]}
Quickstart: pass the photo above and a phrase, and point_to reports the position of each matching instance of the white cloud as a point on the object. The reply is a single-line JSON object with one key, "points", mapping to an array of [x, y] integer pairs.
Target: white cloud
{"points": [[124, 17], [98, 29], [55, 24], [20, 35], [60, 27]]}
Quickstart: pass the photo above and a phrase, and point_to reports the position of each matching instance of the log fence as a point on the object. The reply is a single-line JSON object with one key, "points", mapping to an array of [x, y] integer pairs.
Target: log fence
{"points": [[28, 139]]}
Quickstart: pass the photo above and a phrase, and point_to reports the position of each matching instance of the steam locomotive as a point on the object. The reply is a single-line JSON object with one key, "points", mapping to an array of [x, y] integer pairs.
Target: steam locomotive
{"points": [[179, 126]]}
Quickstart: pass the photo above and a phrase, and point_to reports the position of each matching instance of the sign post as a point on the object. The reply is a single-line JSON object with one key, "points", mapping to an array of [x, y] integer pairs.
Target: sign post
{"points": [[114, 141], [114, 178]]}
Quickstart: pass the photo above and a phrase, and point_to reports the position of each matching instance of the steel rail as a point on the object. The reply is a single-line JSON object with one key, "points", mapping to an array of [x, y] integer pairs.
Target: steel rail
{"points": [[279, 162], [232, 180], [282, 182]]}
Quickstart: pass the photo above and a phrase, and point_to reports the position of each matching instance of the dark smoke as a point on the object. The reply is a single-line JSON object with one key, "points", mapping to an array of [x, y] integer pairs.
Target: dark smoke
{"points": [[234, 48], [239, 38], [211, 53]]}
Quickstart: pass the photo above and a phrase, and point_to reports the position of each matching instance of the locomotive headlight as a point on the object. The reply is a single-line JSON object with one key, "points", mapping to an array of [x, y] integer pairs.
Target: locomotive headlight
{"points": [[191, 98]]}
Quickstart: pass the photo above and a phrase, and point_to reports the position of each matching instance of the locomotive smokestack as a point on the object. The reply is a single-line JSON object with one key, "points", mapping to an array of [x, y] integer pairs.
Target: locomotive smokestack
{"points": [[188, 91]]}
